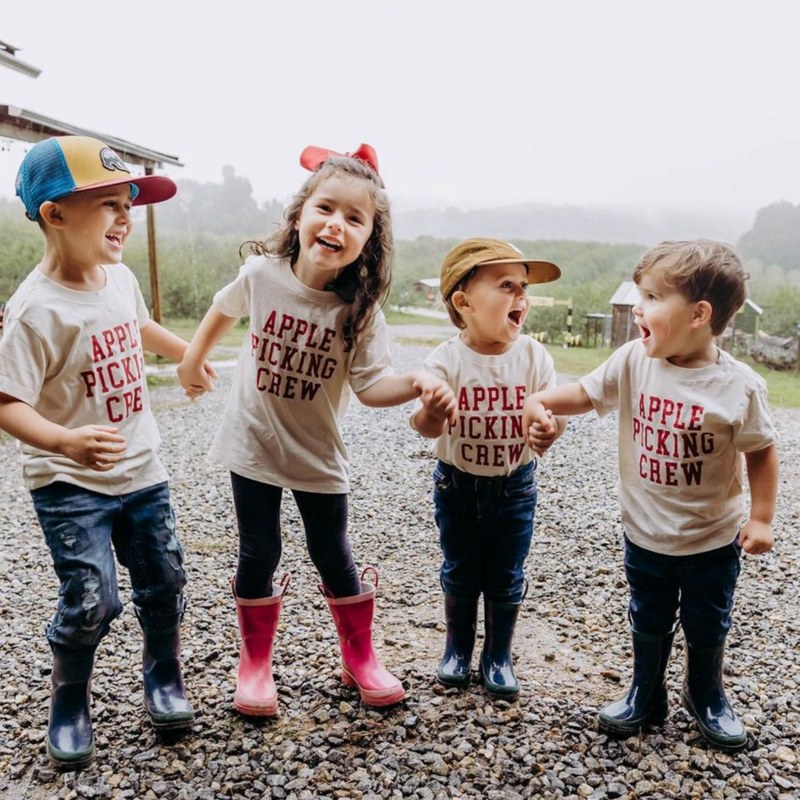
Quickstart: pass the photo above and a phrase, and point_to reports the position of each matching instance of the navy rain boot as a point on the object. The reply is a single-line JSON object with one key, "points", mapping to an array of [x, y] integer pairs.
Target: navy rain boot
{"points": [[704, 698], [70, 740], [645, 703], [461, 614], [496, 664], [164, 695]]}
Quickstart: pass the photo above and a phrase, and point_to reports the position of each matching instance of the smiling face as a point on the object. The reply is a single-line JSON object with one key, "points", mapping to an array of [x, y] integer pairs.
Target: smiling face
{"points": [[493, 306], [95, 224], [672, 327], [335, 223]]}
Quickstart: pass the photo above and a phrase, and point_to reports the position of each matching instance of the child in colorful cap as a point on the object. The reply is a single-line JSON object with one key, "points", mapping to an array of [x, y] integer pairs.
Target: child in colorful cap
{"points": [[73, 391], [484, 485], [687, 412]]}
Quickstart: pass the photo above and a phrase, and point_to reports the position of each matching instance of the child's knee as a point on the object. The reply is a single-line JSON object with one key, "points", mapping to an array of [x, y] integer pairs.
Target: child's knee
{"points": [[90, 605]]}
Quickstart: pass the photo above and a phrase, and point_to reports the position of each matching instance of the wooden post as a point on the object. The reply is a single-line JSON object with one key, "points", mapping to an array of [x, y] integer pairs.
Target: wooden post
{"points": [[151, 250]]}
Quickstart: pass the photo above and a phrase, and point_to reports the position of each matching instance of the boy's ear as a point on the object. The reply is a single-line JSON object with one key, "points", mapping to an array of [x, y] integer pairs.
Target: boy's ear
{"points": [[460, 301], [50, 214], [702, 314]]}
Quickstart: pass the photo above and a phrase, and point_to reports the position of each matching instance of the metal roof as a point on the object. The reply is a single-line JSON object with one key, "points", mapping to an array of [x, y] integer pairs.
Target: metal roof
{"points": [[626, 295], [19, 123]]}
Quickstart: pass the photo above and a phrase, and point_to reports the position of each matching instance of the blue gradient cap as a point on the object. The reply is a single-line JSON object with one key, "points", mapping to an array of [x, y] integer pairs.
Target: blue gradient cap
{"points": [[66, 164]]}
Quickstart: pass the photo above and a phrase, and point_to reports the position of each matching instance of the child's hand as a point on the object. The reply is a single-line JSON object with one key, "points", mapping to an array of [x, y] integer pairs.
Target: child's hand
{"points": [[95, 446], [196, 380], [756, 537], [436, 396], [535, 414], [540, 437]]}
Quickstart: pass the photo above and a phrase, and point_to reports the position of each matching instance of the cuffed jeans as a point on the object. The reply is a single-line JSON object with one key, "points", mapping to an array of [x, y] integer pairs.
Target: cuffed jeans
{"points": [[81, 527], [485, 528], [699, 587]]}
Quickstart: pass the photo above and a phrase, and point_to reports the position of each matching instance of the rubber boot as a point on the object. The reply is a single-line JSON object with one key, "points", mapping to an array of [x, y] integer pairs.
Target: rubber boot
{"points": [[70, 739], [703, 696], [645, 702], [360, 664], [461, 614], [256, 694], [165, 698], [496, 664]]}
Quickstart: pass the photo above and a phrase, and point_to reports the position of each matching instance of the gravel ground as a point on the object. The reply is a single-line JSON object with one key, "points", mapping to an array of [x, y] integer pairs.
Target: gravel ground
{"points": [[572, 648]]}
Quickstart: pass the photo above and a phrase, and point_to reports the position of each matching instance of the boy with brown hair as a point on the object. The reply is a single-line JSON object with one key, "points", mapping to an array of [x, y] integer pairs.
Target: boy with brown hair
{"points": [[687, 411], [73, 392]]}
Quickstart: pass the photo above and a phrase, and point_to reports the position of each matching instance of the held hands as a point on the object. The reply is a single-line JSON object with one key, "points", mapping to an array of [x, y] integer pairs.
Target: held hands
{"points": [[196, 378], [540, 435], [756, 537], [437, 397], [95, 446]]}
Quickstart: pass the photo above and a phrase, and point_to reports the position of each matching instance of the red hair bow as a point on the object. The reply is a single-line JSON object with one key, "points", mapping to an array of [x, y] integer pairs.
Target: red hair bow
{"points": [[312, 158]]}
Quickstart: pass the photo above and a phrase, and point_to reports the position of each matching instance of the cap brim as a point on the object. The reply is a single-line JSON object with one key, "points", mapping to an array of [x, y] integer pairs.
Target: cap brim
{"points": [[538, 271], [152, 188]]}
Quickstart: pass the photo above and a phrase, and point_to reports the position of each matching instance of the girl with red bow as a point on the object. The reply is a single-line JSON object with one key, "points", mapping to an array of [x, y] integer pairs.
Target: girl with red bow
{"points": [[313, 293]]}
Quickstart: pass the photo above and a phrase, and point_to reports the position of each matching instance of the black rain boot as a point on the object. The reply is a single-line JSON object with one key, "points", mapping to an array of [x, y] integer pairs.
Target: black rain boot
{"points": [[645, 702], [461, 614], [496, 664], [703, 696], [70, 740], [164, 695]]}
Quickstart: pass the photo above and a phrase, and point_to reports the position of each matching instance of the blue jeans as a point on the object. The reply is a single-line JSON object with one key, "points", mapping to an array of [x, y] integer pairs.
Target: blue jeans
{"points": [[80, 528], [699, 587], [485, 529]]}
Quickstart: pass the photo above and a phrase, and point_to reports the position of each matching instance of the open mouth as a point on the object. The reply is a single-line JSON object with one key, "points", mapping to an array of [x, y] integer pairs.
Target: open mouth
{"points": [[645, 332], [516, 317], [329, 244], [114, 238]]}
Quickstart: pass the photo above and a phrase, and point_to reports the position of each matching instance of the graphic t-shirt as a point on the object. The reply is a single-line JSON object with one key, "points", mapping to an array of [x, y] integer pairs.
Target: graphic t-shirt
{"points": [[681, 436], [76, 358], [488, 438], [293, 379]]}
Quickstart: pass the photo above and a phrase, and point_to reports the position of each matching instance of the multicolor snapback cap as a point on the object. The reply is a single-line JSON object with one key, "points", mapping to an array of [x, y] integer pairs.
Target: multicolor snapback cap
{"points": [[65, 164]]}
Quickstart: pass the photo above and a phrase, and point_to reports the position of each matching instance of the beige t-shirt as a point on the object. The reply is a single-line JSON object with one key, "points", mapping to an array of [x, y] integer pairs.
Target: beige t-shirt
{"points": [[293, 380], [681, 436], [487, 438], [76, 358]]}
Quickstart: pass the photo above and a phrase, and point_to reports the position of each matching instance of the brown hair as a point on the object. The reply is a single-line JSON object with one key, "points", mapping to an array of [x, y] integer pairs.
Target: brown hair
{"points": [[701, 270], [455, 317], [364, 284]]}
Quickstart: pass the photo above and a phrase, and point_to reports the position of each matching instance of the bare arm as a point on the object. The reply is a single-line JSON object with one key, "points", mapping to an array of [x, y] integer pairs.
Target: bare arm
{"points": [[566, 400], [437, 397], [98, 447], [193, 377], [762, 474]]}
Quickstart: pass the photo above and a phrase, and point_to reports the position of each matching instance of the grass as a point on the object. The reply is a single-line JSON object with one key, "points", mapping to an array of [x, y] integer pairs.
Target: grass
{"points": [[395, 317]]}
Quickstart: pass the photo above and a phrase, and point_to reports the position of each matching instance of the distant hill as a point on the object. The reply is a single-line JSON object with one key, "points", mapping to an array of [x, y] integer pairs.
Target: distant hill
{"points": [[533, 221]]}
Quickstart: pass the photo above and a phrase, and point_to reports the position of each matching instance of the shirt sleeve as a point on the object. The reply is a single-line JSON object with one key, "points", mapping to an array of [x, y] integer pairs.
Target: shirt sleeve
{"points": [[545, 375], [435, 365], [23, 363], [372, 359], [602, 384], [756, 430], [233, 300]]}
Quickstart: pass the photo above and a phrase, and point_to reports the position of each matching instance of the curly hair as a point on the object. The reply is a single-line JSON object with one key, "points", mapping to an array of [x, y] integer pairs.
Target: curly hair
{"points": [[364, 284]]}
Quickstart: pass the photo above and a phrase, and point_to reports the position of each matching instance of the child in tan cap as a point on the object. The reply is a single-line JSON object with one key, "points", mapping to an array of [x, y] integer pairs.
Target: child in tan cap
{"points": [[484, 482]]}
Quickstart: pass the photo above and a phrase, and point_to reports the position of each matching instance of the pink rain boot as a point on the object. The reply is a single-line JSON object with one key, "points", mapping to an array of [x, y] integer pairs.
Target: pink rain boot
{"points": [[360, 664], [256, 694]]}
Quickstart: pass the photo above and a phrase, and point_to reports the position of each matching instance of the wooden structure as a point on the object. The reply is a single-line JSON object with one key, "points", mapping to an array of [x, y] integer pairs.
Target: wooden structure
{"points": [[623, 327], [596, 327], [28, 126]]}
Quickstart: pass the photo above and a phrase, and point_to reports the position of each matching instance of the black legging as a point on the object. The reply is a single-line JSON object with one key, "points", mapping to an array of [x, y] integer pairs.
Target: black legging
{"points": [[258, 512]]}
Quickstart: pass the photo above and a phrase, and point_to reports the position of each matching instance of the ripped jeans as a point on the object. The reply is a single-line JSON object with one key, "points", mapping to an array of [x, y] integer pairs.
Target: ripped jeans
{"points": [[80, 528]]}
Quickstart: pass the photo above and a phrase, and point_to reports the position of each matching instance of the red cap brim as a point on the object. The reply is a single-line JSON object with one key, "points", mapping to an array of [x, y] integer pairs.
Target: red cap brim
{"points": [[152, 188]]}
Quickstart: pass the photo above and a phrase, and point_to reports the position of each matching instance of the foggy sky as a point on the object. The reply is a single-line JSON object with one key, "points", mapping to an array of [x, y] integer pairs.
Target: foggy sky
{"points": [[686, 104]]}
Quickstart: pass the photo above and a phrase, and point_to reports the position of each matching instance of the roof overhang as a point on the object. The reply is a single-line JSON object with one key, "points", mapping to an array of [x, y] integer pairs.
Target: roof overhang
{"points": [[18, 123]]}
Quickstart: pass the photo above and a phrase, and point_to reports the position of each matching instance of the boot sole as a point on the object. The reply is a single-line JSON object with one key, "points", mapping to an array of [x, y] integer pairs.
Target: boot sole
{"points": [[376, 698], [500, 692], [179, 724], [727, 746], [268, 709], [69, 765], [453, 683]]}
